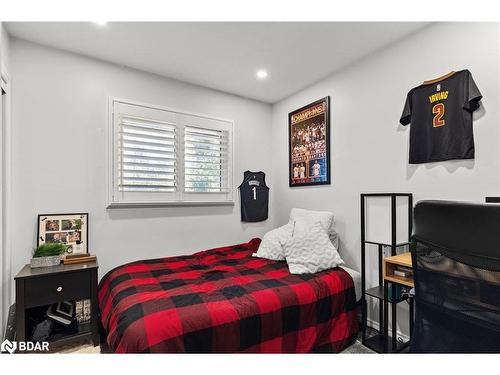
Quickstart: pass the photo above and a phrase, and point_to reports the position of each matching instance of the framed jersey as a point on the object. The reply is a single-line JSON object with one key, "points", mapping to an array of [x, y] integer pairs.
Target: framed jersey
{"points": [[440, 114], [309, 144]]}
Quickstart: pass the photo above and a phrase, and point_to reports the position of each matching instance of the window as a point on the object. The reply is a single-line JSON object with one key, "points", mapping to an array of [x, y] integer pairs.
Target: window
{"points": [[165, 157]]}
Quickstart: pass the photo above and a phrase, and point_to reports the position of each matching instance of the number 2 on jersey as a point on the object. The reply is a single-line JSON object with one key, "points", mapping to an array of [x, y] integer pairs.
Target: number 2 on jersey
{"points": [[254, 189], [438, 111]]}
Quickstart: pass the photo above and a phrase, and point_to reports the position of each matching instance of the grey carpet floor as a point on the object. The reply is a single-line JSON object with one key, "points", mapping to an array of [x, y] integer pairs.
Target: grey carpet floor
{"points": [[357, 348], [87, 348]]}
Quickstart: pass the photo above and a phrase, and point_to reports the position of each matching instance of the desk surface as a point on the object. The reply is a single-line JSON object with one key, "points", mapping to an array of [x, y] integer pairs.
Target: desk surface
{"points": [[401, 259], [398, 260]]}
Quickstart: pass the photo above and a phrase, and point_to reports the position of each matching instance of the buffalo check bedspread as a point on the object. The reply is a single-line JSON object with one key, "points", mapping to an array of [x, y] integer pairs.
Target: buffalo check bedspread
{"points": [[226, 301]]}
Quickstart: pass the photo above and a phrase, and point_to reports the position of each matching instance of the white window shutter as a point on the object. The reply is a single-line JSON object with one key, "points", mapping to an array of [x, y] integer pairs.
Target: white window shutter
{"points": [[147, 155], [206, 160]]}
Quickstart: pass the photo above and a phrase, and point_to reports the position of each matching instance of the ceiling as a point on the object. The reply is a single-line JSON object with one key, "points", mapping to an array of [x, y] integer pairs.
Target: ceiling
{"points": [[224, 56]]}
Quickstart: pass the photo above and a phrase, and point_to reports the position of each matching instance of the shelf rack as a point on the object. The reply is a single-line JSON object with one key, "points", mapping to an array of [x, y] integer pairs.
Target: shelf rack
{"points": [[376, 342]]}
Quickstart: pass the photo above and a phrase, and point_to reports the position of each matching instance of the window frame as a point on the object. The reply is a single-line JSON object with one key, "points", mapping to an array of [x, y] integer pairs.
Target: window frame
{"points": [[207, 199]]}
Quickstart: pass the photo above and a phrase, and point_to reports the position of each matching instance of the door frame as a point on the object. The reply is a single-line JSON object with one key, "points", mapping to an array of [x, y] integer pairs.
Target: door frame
{"points": [[5, 170]]}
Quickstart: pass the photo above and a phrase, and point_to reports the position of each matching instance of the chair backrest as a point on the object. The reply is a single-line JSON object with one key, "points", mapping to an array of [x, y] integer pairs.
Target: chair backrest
{"points": [[456, 258]]}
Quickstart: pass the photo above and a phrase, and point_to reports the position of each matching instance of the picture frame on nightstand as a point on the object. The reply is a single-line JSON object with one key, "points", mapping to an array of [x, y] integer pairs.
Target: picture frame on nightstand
{"points": [[70, 229]]}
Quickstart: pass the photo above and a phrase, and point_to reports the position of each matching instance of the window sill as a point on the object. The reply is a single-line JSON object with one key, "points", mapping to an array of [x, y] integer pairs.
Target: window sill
{"points": [[114, 205]]}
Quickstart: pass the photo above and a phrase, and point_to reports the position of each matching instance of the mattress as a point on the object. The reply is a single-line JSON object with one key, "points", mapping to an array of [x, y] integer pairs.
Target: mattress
{"points": [[356, 278], [226, 301]]}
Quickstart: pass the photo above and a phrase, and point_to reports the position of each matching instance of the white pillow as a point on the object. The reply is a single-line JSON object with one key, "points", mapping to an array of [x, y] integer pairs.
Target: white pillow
{"points": [[334, 239], [303, 224], [324, 217], [271, 246], [311, 251]]}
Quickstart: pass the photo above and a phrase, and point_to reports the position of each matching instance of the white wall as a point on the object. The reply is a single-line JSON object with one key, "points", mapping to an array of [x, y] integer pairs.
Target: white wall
{"points": [[369, 151], [4, 47], [59, 122], [5, 261]]}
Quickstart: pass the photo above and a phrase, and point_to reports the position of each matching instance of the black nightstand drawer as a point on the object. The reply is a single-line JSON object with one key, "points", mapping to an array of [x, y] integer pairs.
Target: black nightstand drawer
{"points": [[57, 288]]}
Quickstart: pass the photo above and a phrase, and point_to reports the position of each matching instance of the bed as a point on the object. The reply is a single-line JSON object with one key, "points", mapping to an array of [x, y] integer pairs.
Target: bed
{"points": [[224, 300]]}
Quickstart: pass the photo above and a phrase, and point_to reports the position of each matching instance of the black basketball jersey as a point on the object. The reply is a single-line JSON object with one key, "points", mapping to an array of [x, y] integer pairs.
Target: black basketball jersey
{"points": [[440, 113], [254, 196]]}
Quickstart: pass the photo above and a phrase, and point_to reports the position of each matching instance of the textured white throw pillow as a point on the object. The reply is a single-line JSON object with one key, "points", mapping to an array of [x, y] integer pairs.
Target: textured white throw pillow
{"points": [[303, 224], [311, 251], [271, 246]]}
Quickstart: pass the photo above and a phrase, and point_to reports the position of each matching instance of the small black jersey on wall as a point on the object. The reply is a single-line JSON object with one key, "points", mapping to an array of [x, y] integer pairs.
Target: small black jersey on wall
{"points": [[254, 196]]}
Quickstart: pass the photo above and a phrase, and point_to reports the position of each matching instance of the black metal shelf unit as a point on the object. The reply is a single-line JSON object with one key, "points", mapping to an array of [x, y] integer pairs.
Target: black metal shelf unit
{"points": [[376, 341]]}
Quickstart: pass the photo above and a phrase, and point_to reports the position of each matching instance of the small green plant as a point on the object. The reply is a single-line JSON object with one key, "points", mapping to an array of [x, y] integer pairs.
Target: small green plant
{"points": [[49, 250], [78, 224]]}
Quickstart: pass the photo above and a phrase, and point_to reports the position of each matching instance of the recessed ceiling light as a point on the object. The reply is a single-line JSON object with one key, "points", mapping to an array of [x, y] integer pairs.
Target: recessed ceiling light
{"points": [[100, 23], [262, 74]]}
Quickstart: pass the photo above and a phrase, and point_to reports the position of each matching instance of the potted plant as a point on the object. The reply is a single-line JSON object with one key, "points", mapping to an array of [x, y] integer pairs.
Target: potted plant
{"points": [[48, 254]]}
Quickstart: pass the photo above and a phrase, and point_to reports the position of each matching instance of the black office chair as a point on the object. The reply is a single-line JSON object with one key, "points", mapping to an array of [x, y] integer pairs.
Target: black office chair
{"points": [[456, 259]]}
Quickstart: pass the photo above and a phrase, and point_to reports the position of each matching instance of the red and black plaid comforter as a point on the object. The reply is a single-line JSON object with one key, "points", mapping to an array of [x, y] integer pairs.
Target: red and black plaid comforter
{"points": [[225, 300]]}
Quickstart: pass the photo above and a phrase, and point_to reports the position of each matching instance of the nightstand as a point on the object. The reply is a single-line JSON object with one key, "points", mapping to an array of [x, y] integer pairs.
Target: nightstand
{"points": [[37, 287]]}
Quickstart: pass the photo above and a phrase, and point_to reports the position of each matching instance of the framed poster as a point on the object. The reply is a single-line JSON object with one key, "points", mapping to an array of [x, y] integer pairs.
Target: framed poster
{"points": [[309, 144], [68, 229]]}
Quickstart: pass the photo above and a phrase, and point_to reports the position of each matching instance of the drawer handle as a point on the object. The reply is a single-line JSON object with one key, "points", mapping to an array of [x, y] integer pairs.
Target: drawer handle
{"points": [[59, 289]]}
